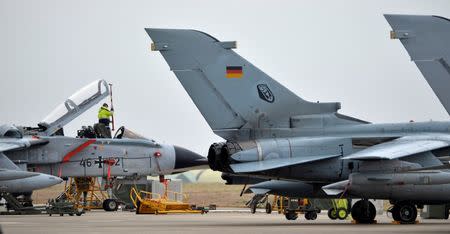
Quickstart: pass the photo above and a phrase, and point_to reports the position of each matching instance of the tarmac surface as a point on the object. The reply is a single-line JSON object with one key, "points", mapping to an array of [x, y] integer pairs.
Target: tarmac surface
{"points": [[211, 223]]}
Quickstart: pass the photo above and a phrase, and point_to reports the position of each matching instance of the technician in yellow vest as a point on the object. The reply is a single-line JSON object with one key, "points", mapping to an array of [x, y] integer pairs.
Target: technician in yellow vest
{"points": [[104, 115]]}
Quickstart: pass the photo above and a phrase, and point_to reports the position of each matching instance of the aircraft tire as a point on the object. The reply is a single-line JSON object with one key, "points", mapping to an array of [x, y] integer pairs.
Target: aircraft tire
{"points": [[253, 208], [268, 208], [407, 212], [395, 213], [363, 211], [110, 205]]}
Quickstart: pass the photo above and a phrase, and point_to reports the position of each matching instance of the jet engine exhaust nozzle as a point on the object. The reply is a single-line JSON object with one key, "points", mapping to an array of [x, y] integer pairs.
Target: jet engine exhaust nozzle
{"points": [[219, 155]]}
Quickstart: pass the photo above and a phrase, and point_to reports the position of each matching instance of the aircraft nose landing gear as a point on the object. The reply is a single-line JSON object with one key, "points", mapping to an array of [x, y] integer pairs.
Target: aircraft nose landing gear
{"points": [[364, 211], [110, 205]]}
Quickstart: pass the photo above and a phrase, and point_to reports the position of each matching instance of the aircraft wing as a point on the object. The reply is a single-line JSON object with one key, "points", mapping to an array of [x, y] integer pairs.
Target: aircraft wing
{"points": [[275, 163], [5, 163], [6, 145], [401, 147]]}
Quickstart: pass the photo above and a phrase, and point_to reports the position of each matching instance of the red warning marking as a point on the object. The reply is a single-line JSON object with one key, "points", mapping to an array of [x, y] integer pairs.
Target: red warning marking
{"points": [[77, 150]]}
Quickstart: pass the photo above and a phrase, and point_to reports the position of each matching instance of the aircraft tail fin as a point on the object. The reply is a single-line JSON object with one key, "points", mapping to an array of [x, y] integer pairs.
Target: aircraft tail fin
{"points": [[427, 40], [229, 91]]}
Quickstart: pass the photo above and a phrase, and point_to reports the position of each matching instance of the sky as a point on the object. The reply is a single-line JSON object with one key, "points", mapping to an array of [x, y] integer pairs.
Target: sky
{"points": [[321, 50]]}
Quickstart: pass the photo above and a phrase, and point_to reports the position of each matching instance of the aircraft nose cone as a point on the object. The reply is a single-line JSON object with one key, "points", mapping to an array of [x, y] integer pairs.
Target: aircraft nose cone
{"points": [[58, 179], [187, 160], [42, 181], [52, 180]]}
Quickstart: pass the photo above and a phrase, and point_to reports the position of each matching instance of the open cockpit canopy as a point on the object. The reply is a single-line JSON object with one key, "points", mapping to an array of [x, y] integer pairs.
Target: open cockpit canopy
{"points": [[74, 106]]}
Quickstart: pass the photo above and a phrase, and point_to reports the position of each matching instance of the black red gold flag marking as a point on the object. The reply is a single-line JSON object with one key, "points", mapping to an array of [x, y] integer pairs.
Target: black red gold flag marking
{"points": [[234, 72]]}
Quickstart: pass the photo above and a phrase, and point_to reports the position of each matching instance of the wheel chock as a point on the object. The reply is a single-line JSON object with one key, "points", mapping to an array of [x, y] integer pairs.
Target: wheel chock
{"points": [[356, 222], [400, 222]]}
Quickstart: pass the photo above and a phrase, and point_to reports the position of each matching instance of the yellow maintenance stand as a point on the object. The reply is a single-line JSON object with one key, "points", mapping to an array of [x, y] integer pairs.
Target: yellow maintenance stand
{"points": [[153, 203], [84, 192]]}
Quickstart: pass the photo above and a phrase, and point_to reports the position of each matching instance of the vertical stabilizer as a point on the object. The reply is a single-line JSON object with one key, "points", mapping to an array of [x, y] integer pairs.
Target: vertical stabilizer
{"points": [[229, 91], [427, 40]]}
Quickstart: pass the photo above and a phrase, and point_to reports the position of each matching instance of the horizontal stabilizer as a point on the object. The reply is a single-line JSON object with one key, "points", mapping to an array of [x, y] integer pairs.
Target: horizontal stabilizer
{"points": [[275, 163], [427, 40], [402, 147]]}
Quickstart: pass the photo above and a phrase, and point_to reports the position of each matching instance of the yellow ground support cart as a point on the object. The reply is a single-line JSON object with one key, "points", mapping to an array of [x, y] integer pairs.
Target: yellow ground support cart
{"points": [[291, 207], [339, 209], [153, 203]]}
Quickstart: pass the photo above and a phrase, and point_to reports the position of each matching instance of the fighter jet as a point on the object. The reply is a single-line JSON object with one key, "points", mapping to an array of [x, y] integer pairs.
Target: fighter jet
{"points": [[45, 155], [308, 149]]}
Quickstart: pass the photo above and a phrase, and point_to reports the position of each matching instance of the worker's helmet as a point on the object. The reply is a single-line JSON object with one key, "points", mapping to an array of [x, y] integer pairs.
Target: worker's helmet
{"points": [[105, 105]]}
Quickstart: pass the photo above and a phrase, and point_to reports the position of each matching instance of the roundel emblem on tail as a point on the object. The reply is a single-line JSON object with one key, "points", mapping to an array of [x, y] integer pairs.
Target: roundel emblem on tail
{"points": [[265, 93]]}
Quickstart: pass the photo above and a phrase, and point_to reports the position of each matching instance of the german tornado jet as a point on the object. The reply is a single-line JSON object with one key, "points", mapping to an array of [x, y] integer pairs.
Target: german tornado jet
{"points": [[308, 149], [43, 154]]}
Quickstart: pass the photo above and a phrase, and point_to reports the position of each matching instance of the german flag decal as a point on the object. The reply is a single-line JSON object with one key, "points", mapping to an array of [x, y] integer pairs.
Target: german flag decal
{"points": [[234, 72]]}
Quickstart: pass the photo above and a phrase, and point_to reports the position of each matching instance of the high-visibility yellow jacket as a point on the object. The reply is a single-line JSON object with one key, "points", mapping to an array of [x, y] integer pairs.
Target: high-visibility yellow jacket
{"points": [[104, 113]]}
